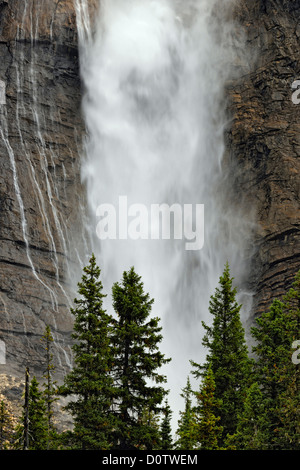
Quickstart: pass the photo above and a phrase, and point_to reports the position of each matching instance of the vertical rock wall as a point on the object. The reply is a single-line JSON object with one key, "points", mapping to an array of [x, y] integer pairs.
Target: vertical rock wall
{"points": [[40, 192], [264, 141]]}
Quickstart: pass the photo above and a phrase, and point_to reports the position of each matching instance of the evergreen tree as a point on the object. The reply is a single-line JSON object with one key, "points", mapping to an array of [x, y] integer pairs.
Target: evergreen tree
{"points": [[270, 419], [90, 381], [251, 428], [166, 429], [275, 371], [207, 429], [37, 420], [148, 420], [50, 390], [289, 409], [289, 415], [186, 423], [37, 417], [137, 382], [22, 428], [228, 354]]}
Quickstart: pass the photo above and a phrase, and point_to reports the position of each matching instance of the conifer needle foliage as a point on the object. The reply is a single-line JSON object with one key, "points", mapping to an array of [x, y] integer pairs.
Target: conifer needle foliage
{"points": [[116, 390], [227, 355], [91, 380], [137, 360]]}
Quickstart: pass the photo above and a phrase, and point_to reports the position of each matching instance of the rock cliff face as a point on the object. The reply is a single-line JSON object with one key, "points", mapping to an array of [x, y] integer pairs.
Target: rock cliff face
{"points": [[40, 190], [264, 140], [40, 136]]}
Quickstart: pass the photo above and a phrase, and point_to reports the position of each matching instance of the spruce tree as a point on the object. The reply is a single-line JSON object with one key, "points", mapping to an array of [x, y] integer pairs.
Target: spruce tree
{"points": [[36, 411], [137, 358], [227, 354], [270, 419], [50, 389], [149, 421], [37, 417], [288, 431], [275, 372], [89, 384], [207, 429], [186, 423], [251, 430], [289, 411], [166, 439]]}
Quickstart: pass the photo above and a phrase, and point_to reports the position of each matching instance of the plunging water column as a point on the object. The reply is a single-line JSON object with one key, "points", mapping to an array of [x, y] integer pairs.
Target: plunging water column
{"points": [[154, 75]]}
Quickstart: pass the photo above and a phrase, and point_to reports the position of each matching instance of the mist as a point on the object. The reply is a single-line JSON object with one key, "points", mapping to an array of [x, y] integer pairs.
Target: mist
{"points": [[153, 74]]}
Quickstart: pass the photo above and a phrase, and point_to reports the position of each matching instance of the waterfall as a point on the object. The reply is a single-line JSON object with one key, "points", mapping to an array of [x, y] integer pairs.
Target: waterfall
{"points": [[154, 74]]}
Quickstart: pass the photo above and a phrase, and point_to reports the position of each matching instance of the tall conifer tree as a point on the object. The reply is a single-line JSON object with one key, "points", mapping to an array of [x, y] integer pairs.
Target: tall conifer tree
{"points": [[207, 428], [33, 423], [251, 432], [50, 389], [90, 380], [275, 371], [138, 385], [186, 423], [166, 429], [270, 419], [227, 354]]}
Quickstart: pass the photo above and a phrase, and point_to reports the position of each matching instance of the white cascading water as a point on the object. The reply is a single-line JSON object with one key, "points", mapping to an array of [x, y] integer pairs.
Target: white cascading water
{"points": [[154, 77]]}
